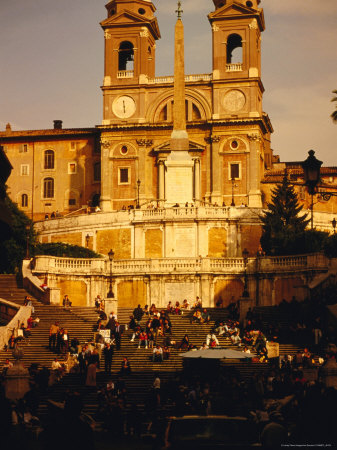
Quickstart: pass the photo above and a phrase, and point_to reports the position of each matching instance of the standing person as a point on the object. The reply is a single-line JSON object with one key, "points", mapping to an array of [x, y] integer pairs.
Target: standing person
{"points": [[82, 360], [138, 313], [66, 302], [118, 335], [108, 354], [91, 375], [65, 341], [53, 331]]}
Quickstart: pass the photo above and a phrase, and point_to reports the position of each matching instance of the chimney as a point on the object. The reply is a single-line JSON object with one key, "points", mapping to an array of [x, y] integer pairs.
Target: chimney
{"points": [[8, 128], [57, 124]]}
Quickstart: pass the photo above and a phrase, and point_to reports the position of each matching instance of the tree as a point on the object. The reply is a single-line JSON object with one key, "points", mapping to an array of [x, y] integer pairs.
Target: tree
{"points": [[284, 226], [334, 114], [13, 250]]}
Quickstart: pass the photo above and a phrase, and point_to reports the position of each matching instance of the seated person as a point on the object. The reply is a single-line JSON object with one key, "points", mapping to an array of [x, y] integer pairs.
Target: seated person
{"points": [[211, 338], [125, 366], [205, 316], [74, 343], [197, 303], [247, 338], [157, 355], [185, 304], [222, 329], [143, 339], [136, 332], [196, 318], [236, 340], [169, 307], [166, 352], [204, 346], [132, 323], [184, 344], [177, 308]]}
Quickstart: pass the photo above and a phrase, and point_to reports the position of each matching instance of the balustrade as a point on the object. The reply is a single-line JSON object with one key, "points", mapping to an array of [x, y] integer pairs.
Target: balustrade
{"points": [[234, 67], [46, 264], [125, 74]]}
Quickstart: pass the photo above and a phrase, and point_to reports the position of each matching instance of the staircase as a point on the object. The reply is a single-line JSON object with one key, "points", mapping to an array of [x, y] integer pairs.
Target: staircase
{"points": [[80, 322]]}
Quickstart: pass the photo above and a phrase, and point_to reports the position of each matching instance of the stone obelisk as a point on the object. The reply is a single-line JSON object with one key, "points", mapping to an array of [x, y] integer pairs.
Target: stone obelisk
{"points": [[179, 136]]}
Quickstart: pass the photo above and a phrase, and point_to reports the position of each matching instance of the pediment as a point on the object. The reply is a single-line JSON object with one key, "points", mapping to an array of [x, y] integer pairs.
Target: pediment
{"points": [[166, 147], [129, 18], [233, 9]]}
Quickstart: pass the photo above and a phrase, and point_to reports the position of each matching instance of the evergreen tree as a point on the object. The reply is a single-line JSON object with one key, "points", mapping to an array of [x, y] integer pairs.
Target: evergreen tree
{"points": [[283, 225]]}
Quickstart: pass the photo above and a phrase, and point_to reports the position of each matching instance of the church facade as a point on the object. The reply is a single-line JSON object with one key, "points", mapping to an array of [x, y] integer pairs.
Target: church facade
{"points": [[178, 169]]}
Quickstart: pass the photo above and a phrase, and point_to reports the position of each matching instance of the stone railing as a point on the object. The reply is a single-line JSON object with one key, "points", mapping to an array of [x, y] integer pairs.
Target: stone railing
{"points": [[188, 78], [125, 74], [52, 264], [234, 67], [101, 266], [16, 315]]}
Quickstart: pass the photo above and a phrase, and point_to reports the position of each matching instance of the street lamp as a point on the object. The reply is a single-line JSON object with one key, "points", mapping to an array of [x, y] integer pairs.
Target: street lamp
{"points": [[245, 254], [138, 187], [28, 228], [311, 167], [233, 186], [334, 223], [87, 238], [111, 257]]}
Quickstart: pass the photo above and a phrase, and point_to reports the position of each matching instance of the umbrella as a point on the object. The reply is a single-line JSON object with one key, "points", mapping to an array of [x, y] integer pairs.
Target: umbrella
{"points": [[217, 353]]}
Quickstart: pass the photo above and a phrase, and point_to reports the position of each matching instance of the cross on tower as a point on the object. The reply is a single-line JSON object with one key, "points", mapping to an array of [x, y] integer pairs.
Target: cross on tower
{"points": [[179, 11]]}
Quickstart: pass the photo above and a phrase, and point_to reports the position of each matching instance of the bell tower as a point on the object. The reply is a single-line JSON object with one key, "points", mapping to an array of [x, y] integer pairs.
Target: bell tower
{"points": [[238, 90], [130, 32]]}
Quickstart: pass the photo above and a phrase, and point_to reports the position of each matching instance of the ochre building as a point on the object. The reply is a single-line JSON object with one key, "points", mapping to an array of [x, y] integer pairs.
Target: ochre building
{"points": [[179, 168]]}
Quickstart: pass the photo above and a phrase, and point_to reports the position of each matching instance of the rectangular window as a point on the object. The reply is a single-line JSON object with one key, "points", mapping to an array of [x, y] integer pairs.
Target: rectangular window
{"points": [[72, 201], [23, 148], [48, 188], [73, 146], [72, 168], [123, 177], [24, 171], [234, 171]]}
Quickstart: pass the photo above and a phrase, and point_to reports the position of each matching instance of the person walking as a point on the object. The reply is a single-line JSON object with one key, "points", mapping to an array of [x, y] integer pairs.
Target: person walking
{"points": [[108, 354]]}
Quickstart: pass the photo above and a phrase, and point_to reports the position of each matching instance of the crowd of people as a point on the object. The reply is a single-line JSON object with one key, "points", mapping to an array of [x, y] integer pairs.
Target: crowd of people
{"points": [[285, 405]]}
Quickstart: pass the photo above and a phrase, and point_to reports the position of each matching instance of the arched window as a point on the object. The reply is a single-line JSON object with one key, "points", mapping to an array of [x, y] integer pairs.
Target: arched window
{"points": [[49, 159], [234, 49], [24, 201], [48, 188], [125, 56]]}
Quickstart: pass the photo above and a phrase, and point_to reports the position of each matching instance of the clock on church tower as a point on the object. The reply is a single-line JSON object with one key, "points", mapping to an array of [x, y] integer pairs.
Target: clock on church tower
{"points": [[130, 33]]}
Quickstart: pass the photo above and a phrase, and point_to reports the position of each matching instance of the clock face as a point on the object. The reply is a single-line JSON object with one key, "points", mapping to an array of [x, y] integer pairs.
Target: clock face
{"points": [[234, 100], [124, 106]]}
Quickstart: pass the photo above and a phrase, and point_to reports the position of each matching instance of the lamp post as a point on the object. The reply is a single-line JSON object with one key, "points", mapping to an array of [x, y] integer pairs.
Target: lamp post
{"points": [[138, 187], [245, 254], [87, 239], [28, 228], [233, 186], [334, 223], [311, 167], [111, 257]]}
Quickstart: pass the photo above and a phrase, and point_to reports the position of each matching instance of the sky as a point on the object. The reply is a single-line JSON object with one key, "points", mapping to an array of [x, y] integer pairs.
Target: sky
{"points": [[52, 55]]}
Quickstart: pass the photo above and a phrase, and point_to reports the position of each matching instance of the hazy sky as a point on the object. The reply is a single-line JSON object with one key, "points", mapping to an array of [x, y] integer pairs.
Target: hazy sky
{"points": [[52, 65]]}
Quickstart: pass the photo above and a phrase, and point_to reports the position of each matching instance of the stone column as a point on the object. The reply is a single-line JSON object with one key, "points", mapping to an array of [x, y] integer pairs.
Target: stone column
{"points": [[105, 201], [197, 181], [254, 192], [161, 181], [17, 378], [216, 170]]}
